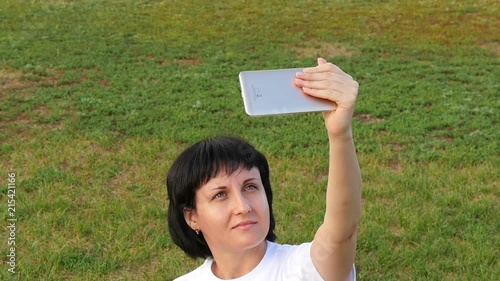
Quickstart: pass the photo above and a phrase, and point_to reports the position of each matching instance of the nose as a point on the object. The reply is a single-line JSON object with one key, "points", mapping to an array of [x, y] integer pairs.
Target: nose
{"points": [[241, 204]]}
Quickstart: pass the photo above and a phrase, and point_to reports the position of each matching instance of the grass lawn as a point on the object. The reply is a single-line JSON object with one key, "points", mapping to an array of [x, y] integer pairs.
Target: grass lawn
{"points": [[97, 98]]}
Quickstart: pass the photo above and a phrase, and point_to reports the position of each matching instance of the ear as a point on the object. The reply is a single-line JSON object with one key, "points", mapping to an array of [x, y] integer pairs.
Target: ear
{"points": [[191, 218]]}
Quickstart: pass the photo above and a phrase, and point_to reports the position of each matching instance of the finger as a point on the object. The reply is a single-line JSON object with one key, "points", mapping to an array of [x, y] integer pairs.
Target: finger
{"points": [[315, 76], [329, 94], [321, 61], [341, 78], [344, 97], [319, 84], [327, 67]]}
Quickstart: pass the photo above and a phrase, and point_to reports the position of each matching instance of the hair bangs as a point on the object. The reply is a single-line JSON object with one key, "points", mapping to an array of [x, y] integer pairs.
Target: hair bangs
{"points": [[223, 157]]}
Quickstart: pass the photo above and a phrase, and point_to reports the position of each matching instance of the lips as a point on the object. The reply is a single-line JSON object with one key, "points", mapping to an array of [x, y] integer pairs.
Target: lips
{"points": [[244, 224]]}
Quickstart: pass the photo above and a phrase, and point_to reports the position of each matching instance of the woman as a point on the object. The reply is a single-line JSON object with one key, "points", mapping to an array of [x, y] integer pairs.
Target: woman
{"points": [[220, 204]]}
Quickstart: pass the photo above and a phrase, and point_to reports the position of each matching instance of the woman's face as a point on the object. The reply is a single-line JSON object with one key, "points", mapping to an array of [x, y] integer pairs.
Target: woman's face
{"points": [[231, 211]]}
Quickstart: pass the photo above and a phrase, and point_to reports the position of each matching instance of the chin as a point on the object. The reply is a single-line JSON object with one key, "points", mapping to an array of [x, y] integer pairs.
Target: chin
{"points": [[251, 242]]}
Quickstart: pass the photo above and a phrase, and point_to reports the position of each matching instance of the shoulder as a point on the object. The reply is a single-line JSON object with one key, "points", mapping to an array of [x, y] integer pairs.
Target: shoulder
{"points": [[293, 261], [199, 273], [296, 263], [283, 251]]}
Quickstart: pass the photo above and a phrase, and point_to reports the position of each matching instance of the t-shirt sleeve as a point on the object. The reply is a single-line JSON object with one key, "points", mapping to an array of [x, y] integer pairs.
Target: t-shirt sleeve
{"points": [[299, 265]]}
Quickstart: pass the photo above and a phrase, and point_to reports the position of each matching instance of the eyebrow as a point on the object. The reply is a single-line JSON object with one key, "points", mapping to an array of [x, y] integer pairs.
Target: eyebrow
{"points": [[222, 187]]}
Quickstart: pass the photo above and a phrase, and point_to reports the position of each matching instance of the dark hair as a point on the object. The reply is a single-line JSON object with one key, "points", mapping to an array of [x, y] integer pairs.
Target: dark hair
{"points": [[193, 168]]}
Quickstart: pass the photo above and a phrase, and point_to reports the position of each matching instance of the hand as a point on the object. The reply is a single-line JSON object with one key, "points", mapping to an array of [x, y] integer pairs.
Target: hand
{"points": [[328, 81]]}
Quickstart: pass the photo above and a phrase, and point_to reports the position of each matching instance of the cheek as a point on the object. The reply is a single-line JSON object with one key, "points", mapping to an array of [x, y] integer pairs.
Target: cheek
{"points": [[265, 214], [213, 216], [264, 205]]}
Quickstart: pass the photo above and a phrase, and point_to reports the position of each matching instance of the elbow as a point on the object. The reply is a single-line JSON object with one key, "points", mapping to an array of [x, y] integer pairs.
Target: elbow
{"points": [[335, 238], [348, 236]]}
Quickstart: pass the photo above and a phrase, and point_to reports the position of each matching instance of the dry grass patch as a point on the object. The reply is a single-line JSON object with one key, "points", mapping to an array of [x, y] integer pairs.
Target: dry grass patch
{"points": [[189, 61], [10, 80], [325, 49], [15, 80], [23, 123], [160, 60], [493, 47], [367, 119]]}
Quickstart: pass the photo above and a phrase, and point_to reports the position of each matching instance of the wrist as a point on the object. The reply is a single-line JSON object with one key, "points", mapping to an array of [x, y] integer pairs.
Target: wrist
{"points": [[340, 136]]}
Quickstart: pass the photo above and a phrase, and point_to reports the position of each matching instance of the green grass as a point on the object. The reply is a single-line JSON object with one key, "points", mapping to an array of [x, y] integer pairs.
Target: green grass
{"points": [[98, 97]]}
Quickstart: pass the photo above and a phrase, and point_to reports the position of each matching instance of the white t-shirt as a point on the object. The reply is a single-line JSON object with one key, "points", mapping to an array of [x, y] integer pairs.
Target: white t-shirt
{"points": [[281, 262]]}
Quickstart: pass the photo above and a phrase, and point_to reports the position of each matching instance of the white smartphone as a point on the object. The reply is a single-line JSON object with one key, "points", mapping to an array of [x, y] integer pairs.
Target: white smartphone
{"points": [[271, 92]]}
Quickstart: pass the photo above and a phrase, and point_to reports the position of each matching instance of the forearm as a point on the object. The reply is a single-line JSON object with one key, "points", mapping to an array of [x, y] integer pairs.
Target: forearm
{"points": [[343, 196], [334, 246]]}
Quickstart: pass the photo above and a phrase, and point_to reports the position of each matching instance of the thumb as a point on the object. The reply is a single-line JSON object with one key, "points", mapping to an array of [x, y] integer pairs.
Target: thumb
{"points": [[321, 61]]}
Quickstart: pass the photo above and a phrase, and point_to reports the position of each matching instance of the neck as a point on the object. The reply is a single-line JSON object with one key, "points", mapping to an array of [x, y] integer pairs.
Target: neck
{"points": [[231, 265]]}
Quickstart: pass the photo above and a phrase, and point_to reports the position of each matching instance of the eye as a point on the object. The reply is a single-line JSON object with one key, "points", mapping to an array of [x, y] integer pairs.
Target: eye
{"points": [[250, 187], [219, 195]]}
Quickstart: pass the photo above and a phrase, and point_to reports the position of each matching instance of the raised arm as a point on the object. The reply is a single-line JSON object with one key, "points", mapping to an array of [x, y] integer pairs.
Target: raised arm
{"points": [[334, 246]]}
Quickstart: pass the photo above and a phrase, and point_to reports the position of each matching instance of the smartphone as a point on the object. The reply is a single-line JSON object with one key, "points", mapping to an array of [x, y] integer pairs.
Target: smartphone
{"points": [[272, 92]]}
